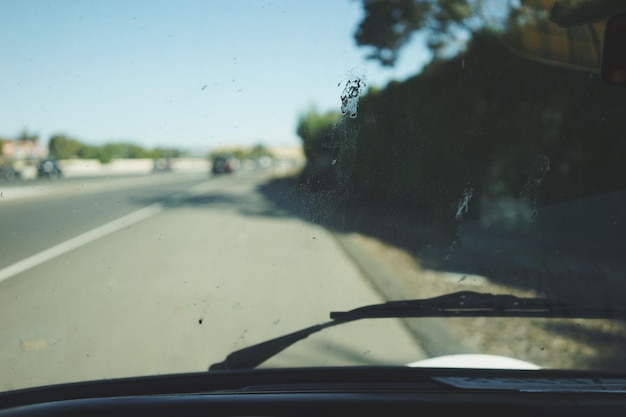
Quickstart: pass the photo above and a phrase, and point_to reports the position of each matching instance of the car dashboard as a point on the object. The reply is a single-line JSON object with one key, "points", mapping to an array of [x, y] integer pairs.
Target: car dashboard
{"points": [[309, 392]]}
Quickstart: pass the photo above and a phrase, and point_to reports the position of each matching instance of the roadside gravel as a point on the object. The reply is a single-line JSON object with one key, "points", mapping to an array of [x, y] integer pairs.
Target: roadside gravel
{"points": [[553, 344]]}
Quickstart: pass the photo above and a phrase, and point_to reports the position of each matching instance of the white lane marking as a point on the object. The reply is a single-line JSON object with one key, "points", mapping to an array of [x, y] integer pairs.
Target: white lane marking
{"points": [[80, 240]]}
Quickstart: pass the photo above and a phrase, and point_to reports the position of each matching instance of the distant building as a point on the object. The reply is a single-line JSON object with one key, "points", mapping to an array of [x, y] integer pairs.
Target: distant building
{"points": [[288, 152], [18, 149]]}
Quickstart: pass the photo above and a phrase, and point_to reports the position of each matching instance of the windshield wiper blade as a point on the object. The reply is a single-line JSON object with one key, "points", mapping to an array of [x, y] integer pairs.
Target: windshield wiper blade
{"points": [[459, 304], [474, 304]]}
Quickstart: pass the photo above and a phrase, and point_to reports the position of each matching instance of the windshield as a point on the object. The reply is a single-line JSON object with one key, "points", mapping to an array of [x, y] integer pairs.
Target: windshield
{"points": [[184, 179]]}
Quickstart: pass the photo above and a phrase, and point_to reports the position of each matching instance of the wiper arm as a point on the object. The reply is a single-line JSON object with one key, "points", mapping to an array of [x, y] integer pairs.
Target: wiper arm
{"points": [[459, 304], [253, 356]]}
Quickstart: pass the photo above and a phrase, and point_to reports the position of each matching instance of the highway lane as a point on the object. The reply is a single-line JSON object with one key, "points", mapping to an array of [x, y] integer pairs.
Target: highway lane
{"points": [[209, 267], [35, 215]]}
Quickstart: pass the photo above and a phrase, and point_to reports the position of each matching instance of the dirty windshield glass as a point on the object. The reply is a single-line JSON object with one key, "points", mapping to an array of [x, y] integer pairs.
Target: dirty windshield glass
{"points": [[182, 180]]}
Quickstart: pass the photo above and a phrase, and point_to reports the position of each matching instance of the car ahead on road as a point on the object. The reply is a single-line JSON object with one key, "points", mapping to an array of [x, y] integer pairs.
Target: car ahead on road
{"points": [[223, 164], [454, 244], [49, 168]]}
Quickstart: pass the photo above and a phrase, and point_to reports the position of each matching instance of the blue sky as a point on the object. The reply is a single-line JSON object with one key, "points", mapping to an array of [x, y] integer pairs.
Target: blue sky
{"points": [[189, 74]]}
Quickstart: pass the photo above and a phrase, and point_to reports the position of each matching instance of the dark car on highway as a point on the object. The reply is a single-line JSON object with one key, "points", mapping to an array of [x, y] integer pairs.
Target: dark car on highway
{"points": [[222, 165], [49, 168]]}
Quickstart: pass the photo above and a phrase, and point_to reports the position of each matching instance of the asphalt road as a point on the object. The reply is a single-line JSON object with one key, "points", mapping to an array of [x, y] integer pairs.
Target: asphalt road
{"points": [[169, 273]]}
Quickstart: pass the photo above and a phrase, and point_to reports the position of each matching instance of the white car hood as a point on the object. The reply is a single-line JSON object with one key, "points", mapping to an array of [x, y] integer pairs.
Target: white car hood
{"points": [[473, 360]]}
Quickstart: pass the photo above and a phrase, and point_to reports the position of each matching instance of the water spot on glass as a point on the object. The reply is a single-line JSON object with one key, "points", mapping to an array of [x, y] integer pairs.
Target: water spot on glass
{"points": [[450, 250], [462, 208], [463, 205], [354, 86], [241, 338], [276, 321], [530, 191]]}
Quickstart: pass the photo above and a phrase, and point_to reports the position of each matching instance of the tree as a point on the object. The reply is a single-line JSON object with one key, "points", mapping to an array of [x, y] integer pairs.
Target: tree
{"points": [[389, 24], [259, 151], [63, 147], [165, 153], [315, 130]]}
